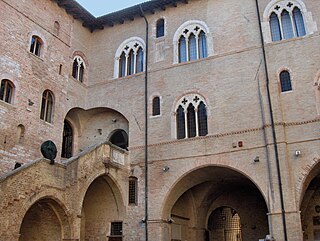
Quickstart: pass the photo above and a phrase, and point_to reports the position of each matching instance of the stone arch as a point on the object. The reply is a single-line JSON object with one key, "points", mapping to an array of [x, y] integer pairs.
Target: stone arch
{"points": [[45, 219], [179, 182], [97, 124], [101, 203], [309, 198], [213, 186]]}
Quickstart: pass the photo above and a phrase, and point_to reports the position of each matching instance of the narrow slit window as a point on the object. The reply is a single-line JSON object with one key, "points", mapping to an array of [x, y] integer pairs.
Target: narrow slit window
{"points": [[203, 52], [202, 119], [67, 140], [122, 65], [140, 60], [131, 63], [156, 106], [133, 181]]}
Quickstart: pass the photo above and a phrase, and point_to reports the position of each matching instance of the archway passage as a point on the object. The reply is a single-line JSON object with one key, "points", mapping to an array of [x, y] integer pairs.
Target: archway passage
{"points": [[102, 211], [310, 211], [196, 200], [120, 139], [67, 140], [45, 220]]}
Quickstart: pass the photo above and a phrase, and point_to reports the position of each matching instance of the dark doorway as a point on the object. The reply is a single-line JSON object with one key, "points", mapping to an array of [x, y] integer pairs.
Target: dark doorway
{"points": [[120, 139], [67, 140]]}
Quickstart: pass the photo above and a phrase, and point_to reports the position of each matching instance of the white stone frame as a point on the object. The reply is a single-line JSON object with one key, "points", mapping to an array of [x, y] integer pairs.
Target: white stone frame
{"points": [[152, 96], [191, 25], [80, 61], [154, 32], [190, 98], [310, 25], [130, 42]]}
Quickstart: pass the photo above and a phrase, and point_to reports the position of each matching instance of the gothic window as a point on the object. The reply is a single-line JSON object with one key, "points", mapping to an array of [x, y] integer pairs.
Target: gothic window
{"points": [[156, 106], [67, 140], [298, 22], [133, 185], [286, 20], [36, 45], [191, 42], [286, 25], [275, 27], [182, 50], [181, 123], [191, 117], [47, 106], [78, 68], [139, 61], [160, 28], [6, 91], [122, 65], [285, 81], [202, 119], [129, 58]]}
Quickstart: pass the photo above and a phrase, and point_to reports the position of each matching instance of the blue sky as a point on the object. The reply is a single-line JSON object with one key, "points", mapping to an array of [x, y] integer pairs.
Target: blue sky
{"points": [[101, 7]]}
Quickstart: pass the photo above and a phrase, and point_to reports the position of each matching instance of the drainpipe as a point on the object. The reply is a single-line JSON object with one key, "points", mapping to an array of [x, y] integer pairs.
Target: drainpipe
{"points": [[273, 127], [146, 126]]}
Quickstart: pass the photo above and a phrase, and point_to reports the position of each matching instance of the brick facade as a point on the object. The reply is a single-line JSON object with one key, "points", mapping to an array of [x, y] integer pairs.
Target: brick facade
{"points": [[234, 165]]}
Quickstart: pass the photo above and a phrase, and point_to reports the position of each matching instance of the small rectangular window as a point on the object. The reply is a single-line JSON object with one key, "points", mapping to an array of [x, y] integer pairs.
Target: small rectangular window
{"points": [[116, 229]]}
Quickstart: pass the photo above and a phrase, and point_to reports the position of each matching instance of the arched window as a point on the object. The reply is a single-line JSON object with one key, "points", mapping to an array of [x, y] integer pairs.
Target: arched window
{"points": [[286, 19], [139, 61], [160, 28], [182, 50], [129, 58], [298, 22], [133, 191], [36, 45], [56, 28], [67, 140], [191, 42], [6, 91], [191, 117], [202, 119], [78, 68], [203, 45], [47, 106], [286, 25], [120, 139], [156, 106], [192, 48], [275, 27], [131, 63], [122, 65], [181, 129], [285, 81]]}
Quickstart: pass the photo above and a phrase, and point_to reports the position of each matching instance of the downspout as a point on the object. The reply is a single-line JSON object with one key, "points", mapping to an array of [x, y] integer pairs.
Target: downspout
{"points": [[146, 127], [273, 127]]}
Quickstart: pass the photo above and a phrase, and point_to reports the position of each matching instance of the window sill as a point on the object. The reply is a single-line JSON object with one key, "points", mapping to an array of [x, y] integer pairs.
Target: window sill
{"points": [[288, 40], [286, 92], [47, 123], [191, 61], [36, 56], [154, 116], [7, 105], [130, 76]]}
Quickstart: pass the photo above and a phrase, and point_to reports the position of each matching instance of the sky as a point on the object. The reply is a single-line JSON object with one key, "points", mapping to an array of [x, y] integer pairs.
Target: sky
{"points": [[102, 7]]}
